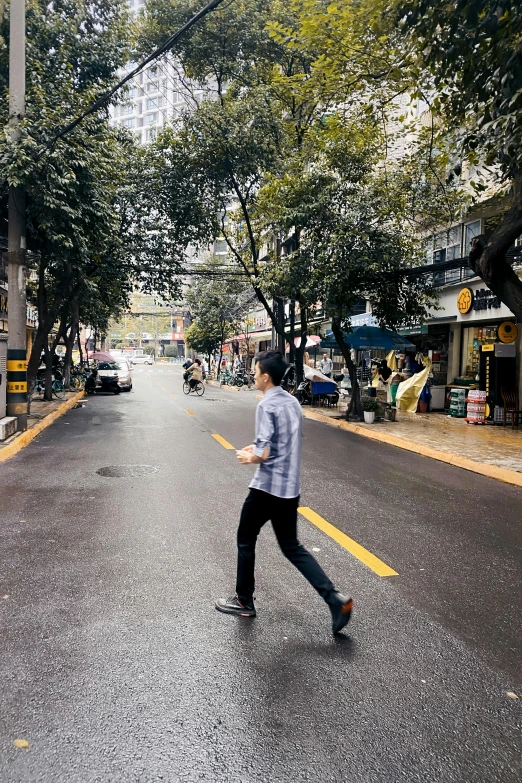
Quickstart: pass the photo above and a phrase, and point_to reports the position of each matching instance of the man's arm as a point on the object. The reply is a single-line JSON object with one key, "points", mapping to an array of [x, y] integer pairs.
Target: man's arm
{"points": [[247, 457], [259, 451]]}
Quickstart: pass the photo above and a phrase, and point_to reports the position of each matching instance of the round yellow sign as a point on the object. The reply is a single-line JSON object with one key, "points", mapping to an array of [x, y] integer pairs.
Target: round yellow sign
{"points": [[507, 332], [465, 301]]}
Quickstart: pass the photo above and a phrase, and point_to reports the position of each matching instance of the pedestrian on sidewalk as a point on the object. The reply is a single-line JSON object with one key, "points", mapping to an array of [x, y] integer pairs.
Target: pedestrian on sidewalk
{"points": [[274, 494], [326, 366]]}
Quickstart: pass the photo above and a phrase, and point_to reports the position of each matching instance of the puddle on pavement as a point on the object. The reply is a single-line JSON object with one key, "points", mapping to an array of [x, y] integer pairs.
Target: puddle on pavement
{"points": [[126, 471]]}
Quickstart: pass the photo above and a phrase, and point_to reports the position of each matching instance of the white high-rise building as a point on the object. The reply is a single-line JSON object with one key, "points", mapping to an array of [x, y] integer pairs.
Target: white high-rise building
{"points": [[158, 95]]}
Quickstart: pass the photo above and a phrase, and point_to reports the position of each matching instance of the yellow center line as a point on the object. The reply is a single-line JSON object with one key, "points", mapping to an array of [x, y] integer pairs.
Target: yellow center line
{"points": [[163, 388], [173, 396], [223, 442], [370, 560], [259, 396], [190, 413]]}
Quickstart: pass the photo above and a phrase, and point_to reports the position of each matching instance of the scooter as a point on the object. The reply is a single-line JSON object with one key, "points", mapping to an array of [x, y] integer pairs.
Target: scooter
{"points": [[110, 384], [303, 393], [90, 383]]}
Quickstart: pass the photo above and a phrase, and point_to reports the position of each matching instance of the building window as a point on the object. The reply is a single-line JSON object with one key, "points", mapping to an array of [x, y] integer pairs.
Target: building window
{"points": [[151, 118], [150, 134], [153, 72], [152, 103], [129, 123], [132, 92], [446, 247], [128, 108], [152, 87], [471, 230]]}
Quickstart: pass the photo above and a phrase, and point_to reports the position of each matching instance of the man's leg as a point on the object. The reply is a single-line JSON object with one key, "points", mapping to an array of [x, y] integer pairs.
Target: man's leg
{"points": [[254, 514], [284, 521]]}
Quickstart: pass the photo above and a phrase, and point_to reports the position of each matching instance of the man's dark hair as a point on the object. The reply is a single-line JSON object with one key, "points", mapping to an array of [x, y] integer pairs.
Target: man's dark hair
{"points": [[273, 364]]}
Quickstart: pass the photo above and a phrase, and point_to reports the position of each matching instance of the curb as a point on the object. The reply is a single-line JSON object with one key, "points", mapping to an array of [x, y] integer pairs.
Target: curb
{"points": [[25, 438], [491, 471]]}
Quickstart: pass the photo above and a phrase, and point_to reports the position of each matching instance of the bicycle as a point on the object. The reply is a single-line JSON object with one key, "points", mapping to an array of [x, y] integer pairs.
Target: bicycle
{"points": [[77, 378], [225, 377], [58, 387], [198, 388]]}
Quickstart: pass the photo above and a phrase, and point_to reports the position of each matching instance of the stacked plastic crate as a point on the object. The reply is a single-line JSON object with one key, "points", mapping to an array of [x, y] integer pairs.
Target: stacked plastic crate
{"points": [[476, 413], [458, 403]]}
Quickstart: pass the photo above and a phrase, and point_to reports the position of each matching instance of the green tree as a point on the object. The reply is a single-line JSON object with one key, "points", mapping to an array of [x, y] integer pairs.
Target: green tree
{"points": [[354, 240], [469, 60], [217, 304], [89, 217]]}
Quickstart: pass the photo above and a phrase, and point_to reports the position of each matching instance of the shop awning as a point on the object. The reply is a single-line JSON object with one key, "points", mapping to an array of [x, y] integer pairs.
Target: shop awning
{"points": [[363, 338], [312, 341], [259, 337]]}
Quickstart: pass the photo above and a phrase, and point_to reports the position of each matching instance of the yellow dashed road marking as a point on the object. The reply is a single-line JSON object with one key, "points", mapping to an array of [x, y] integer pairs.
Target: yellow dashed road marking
{"points": [[190, 413], [223, 442], [370, 560]]}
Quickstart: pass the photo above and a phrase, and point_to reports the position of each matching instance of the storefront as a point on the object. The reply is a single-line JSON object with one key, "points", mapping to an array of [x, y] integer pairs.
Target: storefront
{"points": [[483, 340]]}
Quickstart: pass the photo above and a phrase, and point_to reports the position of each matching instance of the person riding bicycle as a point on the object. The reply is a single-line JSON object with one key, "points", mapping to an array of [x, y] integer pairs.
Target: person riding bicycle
{"points": [[195, 373]]}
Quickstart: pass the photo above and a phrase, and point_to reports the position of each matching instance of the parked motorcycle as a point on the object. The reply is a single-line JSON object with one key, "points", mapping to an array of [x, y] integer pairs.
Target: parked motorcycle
{"points": [[110, 384], [288, 382], [303, 393], [91, 381]]}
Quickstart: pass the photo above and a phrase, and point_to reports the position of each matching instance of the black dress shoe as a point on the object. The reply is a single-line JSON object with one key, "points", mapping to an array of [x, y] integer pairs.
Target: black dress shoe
{"points": [[235, 606], [341, 609]]}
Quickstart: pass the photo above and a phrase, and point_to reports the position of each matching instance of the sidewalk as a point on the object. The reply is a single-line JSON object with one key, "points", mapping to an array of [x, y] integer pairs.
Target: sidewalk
{"points": [[492, 450], [43, 414]]}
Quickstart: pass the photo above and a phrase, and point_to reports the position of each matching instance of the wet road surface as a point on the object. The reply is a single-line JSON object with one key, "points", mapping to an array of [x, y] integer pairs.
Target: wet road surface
{"points": [[116, 667]]}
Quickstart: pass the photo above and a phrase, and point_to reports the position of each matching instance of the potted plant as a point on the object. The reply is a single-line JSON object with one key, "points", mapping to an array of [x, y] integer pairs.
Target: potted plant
{"points": [[369, 405]]}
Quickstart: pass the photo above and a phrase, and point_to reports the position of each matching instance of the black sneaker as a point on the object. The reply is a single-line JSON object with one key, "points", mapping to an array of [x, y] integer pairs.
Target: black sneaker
{"points": [[235, 606], [341, 609]]}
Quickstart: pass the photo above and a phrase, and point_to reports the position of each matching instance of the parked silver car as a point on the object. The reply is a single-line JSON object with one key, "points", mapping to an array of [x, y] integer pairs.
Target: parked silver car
{"points": [[125, 374], [145, 359]]}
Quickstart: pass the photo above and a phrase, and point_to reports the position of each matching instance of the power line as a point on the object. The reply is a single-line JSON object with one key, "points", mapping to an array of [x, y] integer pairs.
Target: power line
{"points": [[102, 102]]}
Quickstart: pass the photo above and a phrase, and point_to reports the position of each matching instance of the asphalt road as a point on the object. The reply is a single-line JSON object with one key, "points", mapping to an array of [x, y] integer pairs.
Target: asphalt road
{"points": [[116, 667]]}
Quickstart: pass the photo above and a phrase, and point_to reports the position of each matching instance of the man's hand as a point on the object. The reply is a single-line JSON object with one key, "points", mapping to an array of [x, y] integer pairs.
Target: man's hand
{"points": [[245, 456]]}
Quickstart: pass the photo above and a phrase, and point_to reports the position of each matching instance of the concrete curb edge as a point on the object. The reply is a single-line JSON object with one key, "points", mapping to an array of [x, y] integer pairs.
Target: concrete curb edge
{"points": [[491, 471], [25, 438]]}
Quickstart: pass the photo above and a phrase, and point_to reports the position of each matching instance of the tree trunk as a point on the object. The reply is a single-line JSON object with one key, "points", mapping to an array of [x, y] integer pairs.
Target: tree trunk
{"points": [[291, 339], [49, 354], [355, 405], [301, 348], [36, 353], [488, 258], [69, 344], [80, 345]]}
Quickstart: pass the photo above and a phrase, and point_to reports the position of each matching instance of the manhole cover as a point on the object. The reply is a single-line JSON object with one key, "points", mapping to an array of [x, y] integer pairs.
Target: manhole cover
{"points": [[126, 471]]}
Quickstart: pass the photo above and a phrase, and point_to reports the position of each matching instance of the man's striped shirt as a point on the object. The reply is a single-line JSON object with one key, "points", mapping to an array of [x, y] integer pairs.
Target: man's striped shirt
{"points": [[279, 426]]}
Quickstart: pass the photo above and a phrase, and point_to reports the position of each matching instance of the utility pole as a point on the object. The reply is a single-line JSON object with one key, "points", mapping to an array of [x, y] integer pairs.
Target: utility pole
{"points": [[16, 242]]}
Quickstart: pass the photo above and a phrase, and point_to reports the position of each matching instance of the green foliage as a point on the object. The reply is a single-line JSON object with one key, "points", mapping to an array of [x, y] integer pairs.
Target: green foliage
{"points": [[470, 52], [89, 194], [217, 305], [171, 351], [149, 350], [369, 404]]}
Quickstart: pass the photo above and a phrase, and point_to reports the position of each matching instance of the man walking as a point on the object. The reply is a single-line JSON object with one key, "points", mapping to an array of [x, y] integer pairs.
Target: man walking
{"points": [[326, 366], [274, 495]]}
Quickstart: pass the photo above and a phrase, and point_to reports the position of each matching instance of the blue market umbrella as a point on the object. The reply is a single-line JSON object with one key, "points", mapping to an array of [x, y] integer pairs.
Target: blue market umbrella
{"points": [[363, 338]]}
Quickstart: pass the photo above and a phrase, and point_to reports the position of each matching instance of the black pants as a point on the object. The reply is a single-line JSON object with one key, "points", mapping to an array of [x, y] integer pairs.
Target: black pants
{"points": [[258, 508]]}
